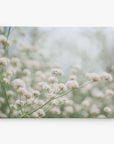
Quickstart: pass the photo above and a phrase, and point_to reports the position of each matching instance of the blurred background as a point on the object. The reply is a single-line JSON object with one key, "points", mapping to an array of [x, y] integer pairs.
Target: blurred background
{"points": [[90, 47], [39, 49]]}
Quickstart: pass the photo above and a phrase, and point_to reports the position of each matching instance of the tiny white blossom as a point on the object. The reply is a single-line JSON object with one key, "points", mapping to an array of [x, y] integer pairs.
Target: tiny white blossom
{"points": [[108, 110], [72, 84], [106, 76], [93, 76], [35, 93], [53, 80], [55, 110], [3, 40], [57, 72], [2, 100], [17, 83], [4, 61], [41, 113]]}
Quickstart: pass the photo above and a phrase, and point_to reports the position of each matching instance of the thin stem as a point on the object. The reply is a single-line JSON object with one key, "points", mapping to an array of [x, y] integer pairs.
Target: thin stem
{"points": [[47, 103], [86, 83], [4, 93], [67, 92], [8, 32], [5, 47], [38, 108], [20, 105], [64, 94]]}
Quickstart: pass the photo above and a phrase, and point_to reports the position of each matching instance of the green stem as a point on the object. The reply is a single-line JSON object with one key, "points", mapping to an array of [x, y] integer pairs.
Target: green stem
{"points": [[86, 83], [46, 103], [8, 32], [5, 95], [37, 108], [20, 105], [5, 47], [67, 92]]}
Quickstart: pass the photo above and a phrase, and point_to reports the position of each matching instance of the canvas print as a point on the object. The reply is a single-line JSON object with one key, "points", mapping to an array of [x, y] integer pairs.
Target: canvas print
{"points": [[56, 72]]}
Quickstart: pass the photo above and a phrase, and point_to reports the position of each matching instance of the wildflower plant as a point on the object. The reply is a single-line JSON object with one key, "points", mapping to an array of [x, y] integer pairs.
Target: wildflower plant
{"points": [[33, 87]]}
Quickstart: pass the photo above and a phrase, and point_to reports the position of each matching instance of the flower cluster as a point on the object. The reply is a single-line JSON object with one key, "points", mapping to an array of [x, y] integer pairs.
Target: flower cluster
{"points": [[30, 86]]}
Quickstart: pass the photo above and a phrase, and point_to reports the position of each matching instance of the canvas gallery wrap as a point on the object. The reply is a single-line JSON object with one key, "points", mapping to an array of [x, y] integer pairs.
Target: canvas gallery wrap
{"points": [[56, 72]]}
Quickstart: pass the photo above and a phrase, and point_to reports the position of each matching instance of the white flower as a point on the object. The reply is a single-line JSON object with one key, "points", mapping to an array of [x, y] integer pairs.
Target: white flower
{"points": [[62, 87], [53, 90], [13, 106], [69, 109], [10, 93], [93, 76], [97, 93], [26, 72], [108, 110], [76, 68], [72, 84], [19, 103], [4, 61], [17, 83], [39, 76], [51, 96], [15, 113], [40, 102], [21, 90], [69, 102], [53, 80], [41, 113], [64, 100], [106, 76], [55, 102], [94, 110], [36, 93], [15, 62], [40, 85], [72, 77], [9, 73], [3, 40], [55, 110], [57, 72], [28, 94], [35, 114], [46, 87], [27, 47], [5, 80], [2, 100], [35, 101], [85, 103], [29, 101]]}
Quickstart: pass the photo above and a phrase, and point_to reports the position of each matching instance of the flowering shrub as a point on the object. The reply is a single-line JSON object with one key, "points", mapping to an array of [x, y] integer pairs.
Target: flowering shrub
{"points": [[30, 86]]}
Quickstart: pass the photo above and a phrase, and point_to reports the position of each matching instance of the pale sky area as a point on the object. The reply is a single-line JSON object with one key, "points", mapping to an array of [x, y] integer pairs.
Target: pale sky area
{"points": [[75, 45], [76, 42]]}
